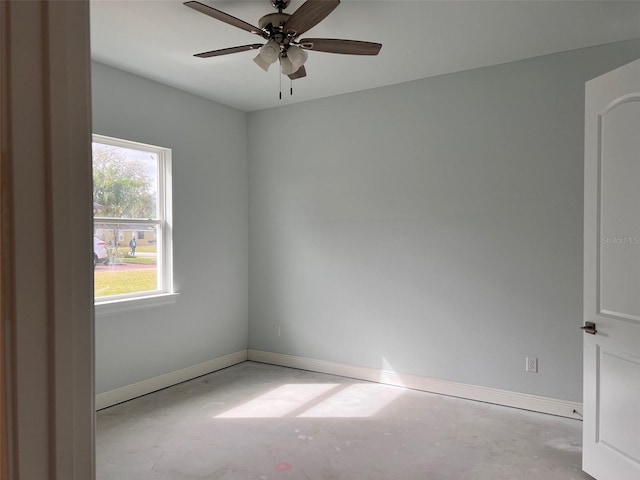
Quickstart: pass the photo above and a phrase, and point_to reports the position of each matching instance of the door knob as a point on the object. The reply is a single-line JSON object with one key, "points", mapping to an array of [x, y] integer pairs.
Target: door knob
{"points": [[589, 327]]}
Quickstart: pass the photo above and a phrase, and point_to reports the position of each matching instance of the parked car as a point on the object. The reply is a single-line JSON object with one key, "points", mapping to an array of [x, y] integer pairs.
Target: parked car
{"points": [[99, 251]]}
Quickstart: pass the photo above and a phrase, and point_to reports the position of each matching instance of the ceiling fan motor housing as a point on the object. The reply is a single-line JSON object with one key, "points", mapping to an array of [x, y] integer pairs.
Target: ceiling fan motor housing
{"points": [[280, 4], [272, 23]]}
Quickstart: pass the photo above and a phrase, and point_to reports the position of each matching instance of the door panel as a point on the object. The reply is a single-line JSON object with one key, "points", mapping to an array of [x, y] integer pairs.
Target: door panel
{"points": [[619, 384], [611, 445], [619, 279]]}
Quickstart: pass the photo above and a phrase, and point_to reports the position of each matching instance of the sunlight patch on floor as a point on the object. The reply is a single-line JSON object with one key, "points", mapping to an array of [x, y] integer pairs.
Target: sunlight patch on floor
{"points": [[316, 400], [355, 401], [280, 401]]}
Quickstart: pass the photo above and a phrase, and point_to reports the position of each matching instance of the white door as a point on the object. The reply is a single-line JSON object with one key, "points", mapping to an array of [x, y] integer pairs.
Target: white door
{"points": [[611, 427]]}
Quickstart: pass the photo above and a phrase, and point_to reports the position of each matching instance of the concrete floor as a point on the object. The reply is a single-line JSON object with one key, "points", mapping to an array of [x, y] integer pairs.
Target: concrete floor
{"points": [[257, 421]]}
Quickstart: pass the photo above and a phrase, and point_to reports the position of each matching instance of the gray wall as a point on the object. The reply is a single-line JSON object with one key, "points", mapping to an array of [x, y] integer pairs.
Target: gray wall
{"points": [[433, 227], [209, 143]]}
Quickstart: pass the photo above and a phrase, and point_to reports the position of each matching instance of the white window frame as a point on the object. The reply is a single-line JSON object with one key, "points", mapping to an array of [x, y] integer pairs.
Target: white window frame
{"points": [[165, 294]]}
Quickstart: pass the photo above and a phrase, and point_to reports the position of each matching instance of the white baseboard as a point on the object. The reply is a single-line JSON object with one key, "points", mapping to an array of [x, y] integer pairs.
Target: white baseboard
{"points": [[128, 392], [506, 398]]}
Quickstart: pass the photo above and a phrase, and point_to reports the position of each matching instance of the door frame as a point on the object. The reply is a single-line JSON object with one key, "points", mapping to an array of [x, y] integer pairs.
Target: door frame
{"points": [[47, 404]]}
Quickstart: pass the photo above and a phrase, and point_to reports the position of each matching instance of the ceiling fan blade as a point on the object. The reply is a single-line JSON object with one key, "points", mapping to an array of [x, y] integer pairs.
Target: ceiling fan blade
{"points": [[309, 15], [223, 17], [301, 72], [347, 47], [227, 51]]}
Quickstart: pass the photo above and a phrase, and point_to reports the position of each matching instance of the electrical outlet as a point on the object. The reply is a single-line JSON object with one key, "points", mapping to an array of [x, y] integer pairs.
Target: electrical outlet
{"points": [[276, 330], [532, 365]]}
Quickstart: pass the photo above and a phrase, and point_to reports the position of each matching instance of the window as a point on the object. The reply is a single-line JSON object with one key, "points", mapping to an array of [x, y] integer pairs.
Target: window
{"points": [[131, 223]]}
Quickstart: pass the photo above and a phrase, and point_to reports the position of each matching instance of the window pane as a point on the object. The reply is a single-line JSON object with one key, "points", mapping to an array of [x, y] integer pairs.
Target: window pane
{"points": [[125, 182], [132, 219], [127, 265]]}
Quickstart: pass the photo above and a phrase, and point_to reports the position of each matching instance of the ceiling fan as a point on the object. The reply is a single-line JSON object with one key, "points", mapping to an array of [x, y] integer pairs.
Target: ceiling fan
{"points": [[281, 30]]}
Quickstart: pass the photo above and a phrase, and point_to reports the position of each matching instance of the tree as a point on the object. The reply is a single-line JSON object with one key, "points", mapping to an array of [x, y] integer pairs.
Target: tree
{"points": [[122, 185]]}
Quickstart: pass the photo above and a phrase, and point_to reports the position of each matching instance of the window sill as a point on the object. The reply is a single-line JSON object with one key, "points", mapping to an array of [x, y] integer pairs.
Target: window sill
{"points": [[115, 307]]}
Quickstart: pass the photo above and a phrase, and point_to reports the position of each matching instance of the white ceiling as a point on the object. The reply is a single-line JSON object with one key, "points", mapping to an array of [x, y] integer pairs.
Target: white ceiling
{"points": [[157, 39]]}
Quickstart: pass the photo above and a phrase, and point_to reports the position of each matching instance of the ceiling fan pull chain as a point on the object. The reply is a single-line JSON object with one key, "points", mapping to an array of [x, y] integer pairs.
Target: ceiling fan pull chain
{"points": [[291, 87], [280, 77]]}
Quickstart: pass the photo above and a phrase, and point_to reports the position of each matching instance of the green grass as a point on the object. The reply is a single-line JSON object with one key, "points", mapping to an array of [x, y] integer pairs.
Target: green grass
{"points": [[140, 260], [119, 283], [140, 248]]}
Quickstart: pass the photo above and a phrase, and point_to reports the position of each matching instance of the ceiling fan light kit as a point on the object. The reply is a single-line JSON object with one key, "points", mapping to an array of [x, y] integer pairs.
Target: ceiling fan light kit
{"points": [[281, 30], [262, 63], [269, 53], [297, 55], [286, 66]]}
